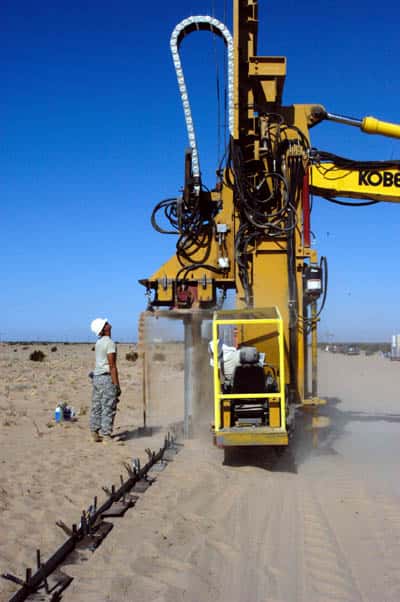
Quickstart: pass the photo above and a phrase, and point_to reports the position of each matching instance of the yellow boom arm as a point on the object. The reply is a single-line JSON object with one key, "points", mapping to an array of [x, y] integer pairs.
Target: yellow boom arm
{"points": [[376, 184]]}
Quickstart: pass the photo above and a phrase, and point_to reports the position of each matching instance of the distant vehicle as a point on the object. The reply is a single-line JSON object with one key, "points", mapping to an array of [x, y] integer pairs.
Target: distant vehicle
{"points": [[353, 351]]}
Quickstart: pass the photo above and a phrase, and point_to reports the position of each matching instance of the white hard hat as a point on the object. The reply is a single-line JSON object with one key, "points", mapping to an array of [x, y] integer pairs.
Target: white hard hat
{"points": [[97, 325]]}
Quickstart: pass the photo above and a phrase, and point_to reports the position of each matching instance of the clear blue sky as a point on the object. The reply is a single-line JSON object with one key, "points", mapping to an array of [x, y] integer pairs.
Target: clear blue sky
{"points": [[92, 136]]}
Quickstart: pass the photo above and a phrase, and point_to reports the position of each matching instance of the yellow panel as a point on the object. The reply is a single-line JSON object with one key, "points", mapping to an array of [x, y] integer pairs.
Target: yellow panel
{"points": [[267, 66], [271, 288], [250, 436], [274, 413], [226, 414], [205, 293], [165, 294], [314, 401]]}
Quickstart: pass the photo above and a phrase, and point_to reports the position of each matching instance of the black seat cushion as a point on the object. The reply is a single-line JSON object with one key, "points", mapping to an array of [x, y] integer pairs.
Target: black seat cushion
{"points": [[249, 379]]}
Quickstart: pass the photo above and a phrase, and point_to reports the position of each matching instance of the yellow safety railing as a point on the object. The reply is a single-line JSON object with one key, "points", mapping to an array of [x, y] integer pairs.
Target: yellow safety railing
{"points": [[218, 396]]}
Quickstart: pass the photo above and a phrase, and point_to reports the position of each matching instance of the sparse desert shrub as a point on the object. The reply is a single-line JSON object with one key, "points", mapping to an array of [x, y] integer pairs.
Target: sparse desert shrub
{"points": [[131, 356], [159, 357], [53, 349], [37, 356]]}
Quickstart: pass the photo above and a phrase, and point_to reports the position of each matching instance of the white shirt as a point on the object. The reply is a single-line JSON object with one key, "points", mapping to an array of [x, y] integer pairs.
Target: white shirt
{"points": [[103, 346], [230, 359]]}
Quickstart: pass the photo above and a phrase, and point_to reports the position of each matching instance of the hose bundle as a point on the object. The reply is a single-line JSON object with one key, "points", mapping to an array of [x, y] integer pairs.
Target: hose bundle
{"points": [[267, 192]]}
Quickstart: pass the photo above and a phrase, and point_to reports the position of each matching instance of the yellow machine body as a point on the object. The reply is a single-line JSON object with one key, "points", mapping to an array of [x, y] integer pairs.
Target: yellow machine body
{"points": [[270, 154]]}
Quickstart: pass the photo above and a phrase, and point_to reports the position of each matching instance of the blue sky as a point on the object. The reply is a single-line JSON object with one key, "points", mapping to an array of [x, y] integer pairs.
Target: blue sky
{"points": [[92, 136]]}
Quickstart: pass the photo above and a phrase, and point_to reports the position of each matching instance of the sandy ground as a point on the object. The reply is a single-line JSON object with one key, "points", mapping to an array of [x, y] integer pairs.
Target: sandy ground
{"points": [[50, 471], [320, 523]]}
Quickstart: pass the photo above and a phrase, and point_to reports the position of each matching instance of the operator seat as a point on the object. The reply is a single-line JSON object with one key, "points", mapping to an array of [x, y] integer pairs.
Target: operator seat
{"points": [[248, 378]]}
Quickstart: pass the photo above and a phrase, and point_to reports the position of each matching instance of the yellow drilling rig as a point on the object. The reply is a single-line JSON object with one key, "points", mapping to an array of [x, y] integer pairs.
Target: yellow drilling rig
{"points": [[251, 234]]}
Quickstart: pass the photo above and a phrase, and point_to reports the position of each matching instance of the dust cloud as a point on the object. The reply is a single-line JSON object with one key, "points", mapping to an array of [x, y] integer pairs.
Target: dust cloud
{"points": [[174, 353]]}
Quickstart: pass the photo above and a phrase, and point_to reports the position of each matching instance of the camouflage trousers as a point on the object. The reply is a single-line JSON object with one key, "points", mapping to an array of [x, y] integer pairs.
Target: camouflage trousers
{"points": [[104, 405]]}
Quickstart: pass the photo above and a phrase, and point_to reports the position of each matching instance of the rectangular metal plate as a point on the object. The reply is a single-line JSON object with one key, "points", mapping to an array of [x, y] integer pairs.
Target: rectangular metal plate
{"points": [[119, 508], [57, 582], [158, 467], [92, 541], [251, 436], [142, 486], [169, 455]]}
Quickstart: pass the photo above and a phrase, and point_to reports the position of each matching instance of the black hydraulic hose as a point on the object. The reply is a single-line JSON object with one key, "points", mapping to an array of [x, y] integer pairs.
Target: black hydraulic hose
{"points": [[348, 204], [318, 157], [169, 206], [324, 265], [186, 269], [293, 311]]}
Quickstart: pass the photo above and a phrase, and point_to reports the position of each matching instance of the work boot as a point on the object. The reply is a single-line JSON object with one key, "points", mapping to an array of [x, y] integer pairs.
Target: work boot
{"points": [[107, 439], [96, 437]]}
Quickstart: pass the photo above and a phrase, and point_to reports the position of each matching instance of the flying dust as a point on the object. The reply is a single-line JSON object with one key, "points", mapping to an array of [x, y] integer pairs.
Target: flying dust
{"points": [[177, 377]]}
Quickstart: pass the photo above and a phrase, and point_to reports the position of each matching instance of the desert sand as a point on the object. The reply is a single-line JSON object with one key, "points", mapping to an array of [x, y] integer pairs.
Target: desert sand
{"points": [[319, 523]]}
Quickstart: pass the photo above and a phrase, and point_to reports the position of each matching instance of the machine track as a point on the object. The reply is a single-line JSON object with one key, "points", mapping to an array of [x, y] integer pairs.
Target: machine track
{"points": [[327, 567]]}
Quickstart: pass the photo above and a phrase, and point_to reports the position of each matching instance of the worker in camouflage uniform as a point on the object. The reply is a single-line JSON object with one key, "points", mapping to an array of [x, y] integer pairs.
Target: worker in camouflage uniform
{"points": [[106, 389]]}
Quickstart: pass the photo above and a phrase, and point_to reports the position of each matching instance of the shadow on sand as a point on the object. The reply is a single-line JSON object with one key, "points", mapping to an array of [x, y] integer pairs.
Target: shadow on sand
{"points": [[272, 459], [316, 434], [332, 423], [174, 428], [137, 433]]}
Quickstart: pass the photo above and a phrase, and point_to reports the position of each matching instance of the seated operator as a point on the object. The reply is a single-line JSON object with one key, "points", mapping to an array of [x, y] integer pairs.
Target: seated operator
{"points": [[228, 359]]}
